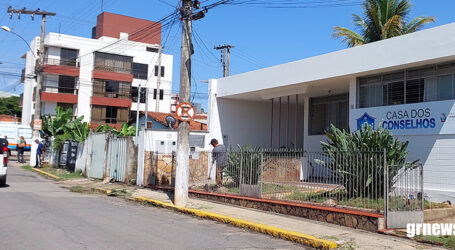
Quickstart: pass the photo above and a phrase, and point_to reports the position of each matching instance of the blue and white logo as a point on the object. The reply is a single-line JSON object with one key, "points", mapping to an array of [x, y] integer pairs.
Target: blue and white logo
{"points": [[365, 119]]}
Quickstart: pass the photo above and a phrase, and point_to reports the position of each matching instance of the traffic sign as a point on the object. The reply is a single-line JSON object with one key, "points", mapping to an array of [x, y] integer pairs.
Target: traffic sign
{"points": [[37, 124], [185, 111]]}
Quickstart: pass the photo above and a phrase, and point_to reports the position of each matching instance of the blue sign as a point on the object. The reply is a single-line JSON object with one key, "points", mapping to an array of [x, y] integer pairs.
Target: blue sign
{"points": [[365, 119]]}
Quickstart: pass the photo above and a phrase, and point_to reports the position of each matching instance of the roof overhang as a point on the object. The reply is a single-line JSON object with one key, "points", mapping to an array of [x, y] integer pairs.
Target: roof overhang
{"points": [[333, 71]]}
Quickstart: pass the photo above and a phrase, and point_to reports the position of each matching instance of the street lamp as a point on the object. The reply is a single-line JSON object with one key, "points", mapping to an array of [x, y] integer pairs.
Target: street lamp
{"points": [[8, 29]]}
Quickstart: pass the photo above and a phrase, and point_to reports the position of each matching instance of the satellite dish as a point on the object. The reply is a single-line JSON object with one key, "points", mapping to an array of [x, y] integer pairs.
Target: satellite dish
{"points": [[170, 120]]}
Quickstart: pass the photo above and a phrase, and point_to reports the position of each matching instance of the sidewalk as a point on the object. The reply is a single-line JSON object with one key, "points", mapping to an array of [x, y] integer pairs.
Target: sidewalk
{"points": [[345, 237]]}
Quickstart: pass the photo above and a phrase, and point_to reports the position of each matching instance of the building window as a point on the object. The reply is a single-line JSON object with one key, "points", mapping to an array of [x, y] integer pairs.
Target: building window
{"points": [[65, 106], [111, 89], [68, 57], [66, 84], [154, 50], [325, 111], [162, 70], [161, 94], [134, 94], [109, 115], [140, 71], [424, 84], [113, 63]]}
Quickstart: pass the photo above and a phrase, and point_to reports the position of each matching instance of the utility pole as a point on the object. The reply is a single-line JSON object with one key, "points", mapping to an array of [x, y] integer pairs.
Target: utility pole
{"points": [[38, 66], [183, 147], [225, 57], [158, 80], [138, 111]]}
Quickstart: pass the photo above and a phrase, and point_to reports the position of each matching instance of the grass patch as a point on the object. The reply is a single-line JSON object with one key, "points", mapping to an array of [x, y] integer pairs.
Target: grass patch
{"points": [[76, 189], [445, 241], [62, 173], [27, 167]]}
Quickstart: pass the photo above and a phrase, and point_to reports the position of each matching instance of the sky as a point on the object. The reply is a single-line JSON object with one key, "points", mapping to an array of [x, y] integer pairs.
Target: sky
{"points": [[262, 37]]}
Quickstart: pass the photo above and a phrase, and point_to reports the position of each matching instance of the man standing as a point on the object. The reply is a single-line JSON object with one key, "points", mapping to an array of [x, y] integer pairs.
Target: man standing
{"points": [[39, 152], [219, 156]]}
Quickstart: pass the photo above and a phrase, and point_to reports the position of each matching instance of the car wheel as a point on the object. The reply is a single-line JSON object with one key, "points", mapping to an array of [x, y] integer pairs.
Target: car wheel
{"points": [[3, 181]]}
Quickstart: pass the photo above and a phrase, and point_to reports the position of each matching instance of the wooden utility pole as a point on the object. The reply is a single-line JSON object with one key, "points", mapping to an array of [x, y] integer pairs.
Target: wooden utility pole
{"points": [[225, 57], [38, 65], [183, 145], [158, 80]]}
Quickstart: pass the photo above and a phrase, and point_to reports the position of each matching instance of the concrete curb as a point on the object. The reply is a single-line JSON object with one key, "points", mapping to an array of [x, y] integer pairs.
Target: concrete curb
{"points": [[273, 231], [46, 173]]}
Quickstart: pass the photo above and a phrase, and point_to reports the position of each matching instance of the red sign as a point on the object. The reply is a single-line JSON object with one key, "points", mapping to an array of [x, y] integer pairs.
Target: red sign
{"points": [[185, 111]]}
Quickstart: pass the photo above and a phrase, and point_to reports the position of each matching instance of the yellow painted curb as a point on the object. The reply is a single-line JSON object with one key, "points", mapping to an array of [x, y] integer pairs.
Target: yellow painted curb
{"points": [[46, 173], [273, 231]]}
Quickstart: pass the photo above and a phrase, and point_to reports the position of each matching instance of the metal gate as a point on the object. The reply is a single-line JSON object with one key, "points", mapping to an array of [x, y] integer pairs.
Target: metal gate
{"points": [[117, 158], [98, 153], [405, 199]]}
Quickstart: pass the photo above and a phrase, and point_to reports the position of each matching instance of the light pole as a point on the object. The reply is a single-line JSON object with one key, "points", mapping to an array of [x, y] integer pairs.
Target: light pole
{"points": [[8, 29]]}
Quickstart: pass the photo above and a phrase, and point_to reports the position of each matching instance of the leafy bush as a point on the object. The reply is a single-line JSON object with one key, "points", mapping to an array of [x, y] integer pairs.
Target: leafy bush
{"points": [[244, 165], [125, 130], [357, 159], [63, 126]]}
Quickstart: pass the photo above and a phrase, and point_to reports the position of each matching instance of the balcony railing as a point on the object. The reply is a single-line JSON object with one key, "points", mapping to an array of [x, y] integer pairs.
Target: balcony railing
{"points": [[108, 120], [113, 69], [60, 90], [61, 62], [112, 95]]}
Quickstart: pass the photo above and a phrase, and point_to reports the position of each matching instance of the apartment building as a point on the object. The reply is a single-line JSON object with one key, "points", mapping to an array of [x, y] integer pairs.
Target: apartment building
{"points": [[103, 78]]}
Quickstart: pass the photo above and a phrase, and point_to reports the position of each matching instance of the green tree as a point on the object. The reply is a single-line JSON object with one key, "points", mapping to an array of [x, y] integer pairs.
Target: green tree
{"points": [[10, 106], [382, 19]]}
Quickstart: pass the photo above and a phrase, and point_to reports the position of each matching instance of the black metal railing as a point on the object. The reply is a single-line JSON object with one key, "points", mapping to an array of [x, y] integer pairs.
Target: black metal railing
{"points": [[108, 120], [114, 69], [61, 62], [112, 94], [60, 90]]}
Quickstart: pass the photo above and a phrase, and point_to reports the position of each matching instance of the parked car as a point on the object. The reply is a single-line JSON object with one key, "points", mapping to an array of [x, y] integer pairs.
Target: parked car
{"points": [[4, 159]]}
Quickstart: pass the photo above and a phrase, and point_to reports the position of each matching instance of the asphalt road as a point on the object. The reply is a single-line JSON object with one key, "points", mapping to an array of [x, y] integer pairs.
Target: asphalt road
{"points": [[36, 213]]}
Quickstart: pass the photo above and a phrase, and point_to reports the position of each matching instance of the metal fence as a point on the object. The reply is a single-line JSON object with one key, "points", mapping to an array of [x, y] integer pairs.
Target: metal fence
{"points": [[404, 187], [350, 179], [356, 180]]}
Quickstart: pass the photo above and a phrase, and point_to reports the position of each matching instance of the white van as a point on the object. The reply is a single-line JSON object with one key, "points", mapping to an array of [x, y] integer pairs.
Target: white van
{"points": [[13, 132]]}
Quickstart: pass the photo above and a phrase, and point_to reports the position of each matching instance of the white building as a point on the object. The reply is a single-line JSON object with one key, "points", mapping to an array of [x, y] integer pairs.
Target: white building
{"points": [[99, 77], [408, 82]]}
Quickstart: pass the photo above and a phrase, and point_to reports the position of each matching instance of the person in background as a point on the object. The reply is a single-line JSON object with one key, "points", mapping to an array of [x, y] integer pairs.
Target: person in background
{"points": [[39, 153], [219, 156], [7, 143], [20, 150]]}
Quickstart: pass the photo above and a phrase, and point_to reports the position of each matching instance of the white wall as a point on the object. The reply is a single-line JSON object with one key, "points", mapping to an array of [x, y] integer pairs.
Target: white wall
{"points": [[244, 122], [437, 153]]}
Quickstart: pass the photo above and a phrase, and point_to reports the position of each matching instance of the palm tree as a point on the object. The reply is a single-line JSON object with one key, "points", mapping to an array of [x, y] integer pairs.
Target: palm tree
{"points": [[382, 19]]}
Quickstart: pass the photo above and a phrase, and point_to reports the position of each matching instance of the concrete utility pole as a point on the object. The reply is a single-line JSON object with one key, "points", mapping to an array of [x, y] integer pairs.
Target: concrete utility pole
{"points": [[158, 80], [38, 66], [225, 57], [183, 147], [138, 111]]}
